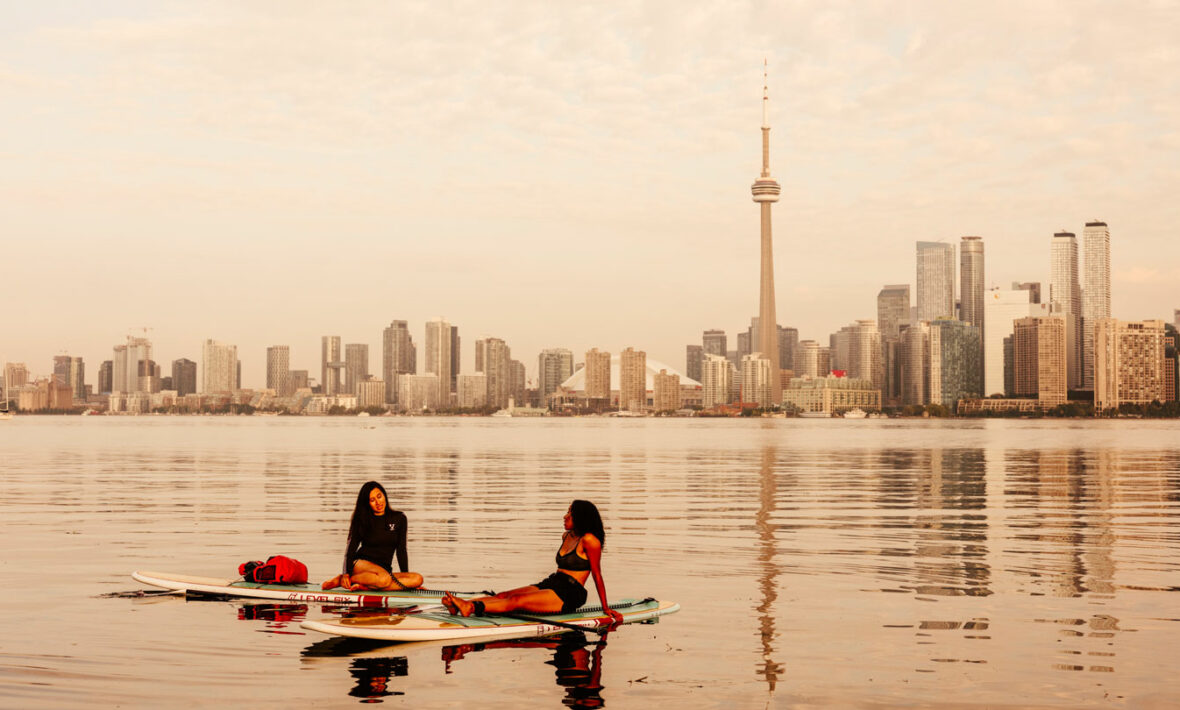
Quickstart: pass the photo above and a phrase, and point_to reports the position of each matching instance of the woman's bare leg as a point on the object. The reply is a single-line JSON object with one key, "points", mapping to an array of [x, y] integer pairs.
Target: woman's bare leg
{"points": [[544, 601], [366, 575]]}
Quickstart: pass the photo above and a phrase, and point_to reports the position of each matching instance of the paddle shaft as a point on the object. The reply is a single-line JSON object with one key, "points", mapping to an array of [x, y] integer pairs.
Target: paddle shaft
{"points": [[600, 630]]}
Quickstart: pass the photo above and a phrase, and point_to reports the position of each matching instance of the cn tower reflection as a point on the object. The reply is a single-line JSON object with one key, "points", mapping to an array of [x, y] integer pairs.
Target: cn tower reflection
{"points": [[768, 568]]}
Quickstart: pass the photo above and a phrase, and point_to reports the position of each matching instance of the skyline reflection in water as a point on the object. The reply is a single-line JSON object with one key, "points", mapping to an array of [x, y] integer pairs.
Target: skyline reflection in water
{"points": [[1010, 563]]}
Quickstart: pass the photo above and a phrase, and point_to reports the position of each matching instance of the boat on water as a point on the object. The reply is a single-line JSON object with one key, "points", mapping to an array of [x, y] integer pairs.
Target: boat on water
{"points": [[855, 413], [815, 415]]}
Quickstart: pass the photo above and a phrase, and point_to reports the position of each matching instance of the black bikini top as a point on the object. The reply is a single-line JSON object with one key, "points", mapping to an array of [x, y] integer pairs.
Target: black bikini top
{"points": [[572, 561]]}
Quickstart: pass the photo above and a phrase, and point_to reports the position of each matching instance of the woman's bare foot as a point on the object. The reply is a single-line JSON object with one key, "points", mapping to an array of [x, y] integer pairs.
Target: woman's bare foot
{"points": [[333, 583], [458, 606]]}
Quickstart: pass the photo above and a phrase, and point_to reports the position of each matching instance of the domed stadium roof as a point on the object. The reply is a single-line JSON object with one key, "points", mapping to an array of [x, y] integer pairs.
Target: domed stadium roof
{"points": [[577, 381]]}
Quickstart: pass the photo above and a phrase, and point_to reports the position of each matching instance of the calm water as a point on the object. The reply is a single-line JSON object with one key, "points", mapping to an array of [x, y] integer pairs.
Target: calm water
{"points": [[819, 563]]}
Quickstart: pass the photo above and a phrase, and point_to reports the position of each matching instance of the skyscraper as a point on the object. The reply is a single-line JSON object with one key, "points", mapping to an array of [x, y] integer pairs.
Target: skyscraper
{"points": [[756, 379], [694, 357], [716, 380], [1065, 297], [936, 280], [439, 361], [125, 372], [1095, 291], [807, 359], [971, 285], [1038, 354], [105, 376], [1033, 288], [398, 357], [1000, 311], [184, 376], [955, 373], [219, 367], [665, 391], [598, 376], [356, 365], [765, 192], [893, 311], [1128, 362], [554, 366], [788, 341], [278, 369], [330, 365], [714, 342], [493, 358], [633, 380], [71, 371]]}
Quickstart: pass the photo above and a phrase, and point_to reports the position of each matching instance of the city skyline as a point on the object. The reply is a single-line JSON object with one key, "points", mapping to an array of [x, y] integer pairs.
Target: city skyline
{"points": [[154, 177]]}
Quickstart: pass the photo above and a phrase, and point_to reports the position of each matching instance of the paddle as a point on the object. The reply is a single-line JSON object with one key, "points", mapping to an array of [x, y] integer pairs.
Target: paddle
{"points": [[600, 630]]}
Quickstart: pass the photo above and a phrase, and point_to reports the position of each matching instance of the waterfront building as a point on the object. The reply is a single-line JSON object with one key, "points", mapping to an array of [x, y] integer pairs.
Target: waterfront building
{"points": [[1095, 292], [759, 379], [330, 365], [517, 384], [219, 367], [971, 289], [1000, 310], [666, 391], [149, 377], [694, 355], [278, 369], [16, 375], [554, 366], [956, 348], [807, 359], [717, 381], [370, 392], [714, 342], [1129, 361], [71, 371], [300, 381], [860, 352], [125, 371], [831, 394], [893, 310], [356, 366], [398, 357], [441, 339], [914, 365], [472, 390], [493, 358], [765, 192], [184, 377], [788, 342], [105, 376], [1033, 288], [577, 391], [419, 392], [1065, 297], [598, 375], [1038, 354], [971, 281], [632, 380], [935, 280]]}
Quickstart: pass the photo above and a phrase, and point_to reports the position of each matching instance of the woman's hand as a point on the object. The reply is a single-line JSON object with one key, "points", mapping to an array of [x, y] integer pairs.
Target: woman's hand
{"points": [[616, 617]]}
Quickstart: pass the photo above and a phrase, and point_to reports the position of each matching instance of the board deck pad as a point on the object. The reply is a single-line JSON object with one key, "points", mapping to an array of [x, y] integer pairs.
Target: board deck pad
{"points": [[290, 592], [434, 626]]}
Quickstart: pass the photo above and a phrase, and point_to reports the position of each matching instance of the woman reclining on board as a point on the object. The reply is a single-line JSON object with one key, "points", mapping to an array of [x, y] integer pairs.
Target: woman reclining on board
{"points": [[579, 557], [375, 535]]}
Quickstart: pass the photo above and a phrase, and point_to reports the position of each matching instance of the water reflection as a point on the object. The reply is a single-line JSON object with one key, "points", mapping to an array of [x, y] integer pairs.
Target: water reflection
{"points": [[576, 660], [768, 568]]}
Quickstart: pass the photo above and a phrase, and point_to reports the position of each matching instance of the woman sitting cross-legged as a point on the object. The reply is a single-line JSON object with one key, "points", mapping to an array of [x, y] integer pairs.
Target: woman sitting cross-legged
{"points": [[375, 534], [579, 557]]}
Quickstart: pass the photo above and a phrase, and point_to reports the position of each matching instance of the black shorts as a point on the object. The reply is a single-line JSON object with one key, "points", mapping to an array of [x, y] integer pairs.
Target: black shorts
{"points": [[569, 590]]}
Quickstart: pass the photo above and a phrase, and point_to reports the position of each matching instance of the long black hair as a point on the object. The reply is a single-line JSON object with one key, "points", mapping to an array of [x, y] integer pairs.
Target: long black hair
{"points": [[362, 513], [587, 520]]}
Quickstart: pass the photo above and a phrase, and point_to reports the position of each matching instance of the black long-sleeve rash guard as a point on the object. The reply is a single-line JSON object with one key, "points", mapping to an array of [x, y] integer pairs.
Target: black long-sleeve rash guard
{"points": [[378, 540]]}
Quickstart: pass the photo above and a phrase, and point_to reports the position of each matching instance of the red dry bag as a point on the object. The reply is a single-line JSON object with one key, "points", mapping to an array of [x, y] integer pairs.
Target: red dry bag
{"points": [[276, 570]]}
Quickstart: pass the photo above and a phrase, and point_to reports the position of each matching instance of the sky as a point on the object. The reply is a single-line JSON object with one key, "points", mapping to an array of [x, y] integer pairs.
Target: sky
{"points": [[557, 174]]}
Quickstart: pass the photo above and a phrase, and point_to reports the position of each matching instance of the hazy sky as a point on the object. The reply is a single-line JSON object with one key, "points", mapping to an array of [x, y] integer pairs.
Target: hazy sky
{"points": [[557, 174]]}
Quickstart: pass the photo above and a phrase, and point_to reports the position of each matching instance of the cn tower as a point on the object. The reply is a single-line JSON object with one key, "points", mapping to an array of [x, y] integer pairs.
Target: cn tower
{"points": [[765, 191]]}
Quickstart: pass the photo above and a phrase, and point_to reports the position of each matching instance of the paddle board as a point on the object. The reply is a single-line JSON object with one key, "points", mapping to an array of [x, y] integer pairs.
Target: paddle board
{"points": [[435, 626], [290, 592]]}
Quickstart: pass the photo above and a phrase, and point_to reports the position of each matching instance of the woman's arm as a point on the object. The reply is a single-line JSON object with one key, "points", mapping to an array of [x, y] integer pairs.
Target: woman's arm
{"points": [[403, 557], [592, 546]]}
